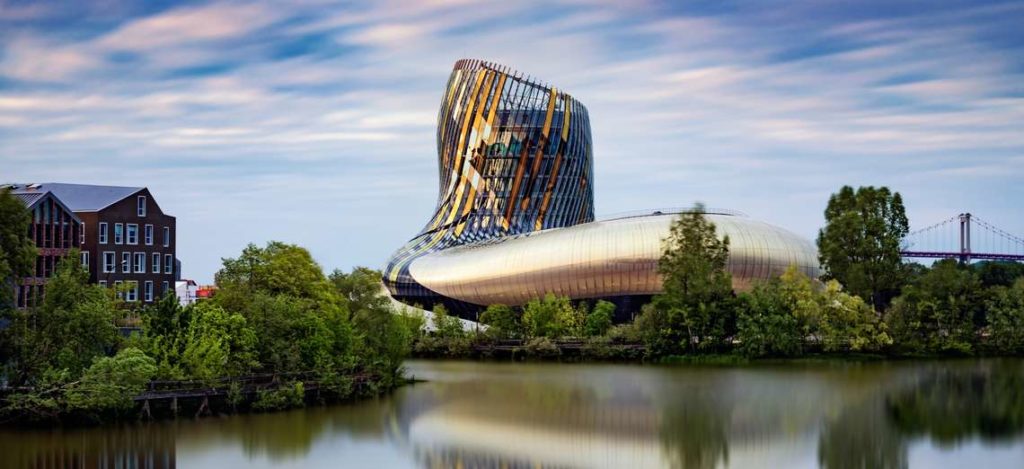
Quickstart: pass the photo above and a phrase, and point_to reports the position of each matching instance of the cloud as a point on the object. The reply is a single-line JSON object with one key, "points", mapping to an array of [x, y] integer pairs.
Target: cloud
{"points": [[188, 25]]}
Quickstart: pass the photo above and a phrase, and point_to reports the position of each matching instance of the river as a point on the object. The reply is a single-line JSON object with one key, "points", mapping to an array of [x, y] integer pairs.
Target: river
{"points": [[927, 414]]}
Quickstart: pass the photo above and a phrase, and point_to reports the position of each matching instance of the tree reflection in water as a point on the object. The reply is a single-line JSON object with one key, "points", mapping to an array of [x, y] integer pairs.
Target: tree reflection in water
{"points": [[550, 415], [950, 406], [946, 404]]}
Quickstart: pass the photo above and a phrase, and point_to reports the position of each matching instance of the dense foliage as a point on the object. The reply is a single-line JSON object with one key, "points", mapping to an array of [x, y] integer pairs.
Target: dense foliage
{"points": [[275, 312], [860, 243]]}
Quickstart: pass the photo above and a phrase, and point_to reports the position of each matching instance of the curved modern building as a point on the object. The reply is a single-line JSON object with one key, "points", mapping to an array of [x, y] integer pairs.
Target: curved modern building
{"points": [[515, 214]]}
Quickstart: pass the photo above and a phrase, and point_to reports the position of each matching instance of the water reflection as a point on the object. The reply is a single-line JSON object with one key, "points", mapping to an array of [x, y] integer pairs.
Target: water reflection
{"points": [[522, 415]]}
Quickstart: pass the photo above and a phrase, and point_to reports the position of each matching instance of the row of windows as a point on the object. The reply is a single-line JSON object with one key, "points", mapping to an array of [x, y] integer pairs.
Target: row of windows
{"points": [[131, 231], [133, 264], [131, 294]]}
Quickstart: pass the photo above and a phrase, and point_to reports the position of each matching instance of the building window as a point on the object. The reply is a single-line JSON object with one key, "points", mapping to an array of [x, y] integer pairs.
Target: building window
{"points": [[126, 262], [149, 235], [156, 262], [133, 233], [81, 234], [166, 286], [167, 236], [119, 289], [148, 291], [85, 260], [132, 294], [140, 262], [103, 233], [168, 264], [142, 205], [118, 233], [109, 261], [103, 283]]}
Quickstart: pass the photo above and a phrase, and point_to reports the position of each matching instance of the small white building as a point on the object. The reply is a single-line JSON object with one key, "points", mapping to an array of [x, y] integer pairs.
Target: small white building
{"points": [[186, 291]]}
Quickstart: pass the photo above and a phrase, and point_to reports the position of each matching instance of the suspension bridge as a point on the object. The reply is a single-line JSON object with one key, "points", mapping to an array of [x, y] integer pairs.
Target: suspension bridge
{"points": [[966, 237]]}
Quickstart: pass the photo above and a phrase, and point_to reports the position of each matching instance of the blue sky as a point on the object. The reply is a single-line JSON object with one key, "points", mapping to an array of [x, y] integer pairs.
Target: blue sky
{"points": [[312, 121]]}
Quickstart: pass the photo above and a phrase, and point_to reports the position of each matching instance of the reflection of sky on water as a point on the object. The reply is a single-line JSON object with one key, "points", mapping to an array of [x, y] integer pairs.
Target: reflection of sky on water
{"points": [[908, 414]]}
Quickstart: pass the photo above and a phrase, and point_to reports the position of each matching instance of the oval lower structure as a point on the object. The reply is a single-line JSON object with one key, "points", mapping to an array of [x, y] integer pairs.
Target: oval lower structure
{"points": [[601, 259]]}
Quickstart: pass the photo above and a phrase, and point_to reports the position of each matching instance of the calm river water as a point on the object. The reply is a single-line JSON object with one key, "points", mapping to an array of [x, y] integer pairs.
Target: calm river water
{"points": [[967, 413]]}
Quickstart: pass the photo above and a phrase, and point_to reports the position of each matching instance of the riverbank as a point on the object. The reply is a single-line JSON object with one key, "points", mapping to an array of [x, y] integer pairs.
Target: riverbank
{"points": [[604, 349]]}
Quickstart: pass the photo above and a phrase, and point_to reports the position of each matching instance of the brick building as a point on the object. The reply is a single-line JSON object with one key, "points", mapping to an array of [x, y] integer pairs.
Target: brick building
{"points": [[126, 237], [55, 230]]}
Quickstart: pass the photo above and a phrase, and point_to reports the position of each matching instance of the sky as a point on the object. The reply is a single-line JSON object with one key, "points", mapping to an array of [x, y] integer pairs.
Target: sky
{"points": [[313, 121]]}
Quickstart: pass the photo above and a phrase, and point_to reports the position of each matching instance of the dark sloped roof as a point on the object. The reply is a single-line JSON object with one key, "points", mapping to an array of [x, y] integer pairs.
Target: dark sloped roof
{"points": [[82, 197], [28, 198]]}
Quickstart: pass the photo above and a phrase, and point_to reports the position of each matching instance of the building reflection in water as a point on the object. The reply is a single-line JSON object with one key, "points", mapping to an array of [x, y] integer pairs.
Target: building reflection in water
{"points": [[522, 415]]}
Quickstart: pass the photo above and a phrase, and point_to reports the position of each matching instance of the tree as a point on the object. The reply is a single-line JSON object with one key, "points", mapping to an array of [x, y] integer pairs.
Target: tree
{"points": [[17, 252], [110, 383], [502, 322], [75, 323], [697, 293], [446, 326], [1006, 318], [860, 243], [848, 323], [551, 317], [939, 311], [599, 320], [767, 325], [278, 268]]}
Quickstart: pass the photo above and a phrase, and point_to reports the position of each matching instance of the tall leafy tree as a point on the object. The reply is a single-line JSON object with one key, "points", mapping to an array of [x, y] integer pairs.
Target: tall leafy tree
{"points": [[17, 253], [697, 296], [860, 243]]}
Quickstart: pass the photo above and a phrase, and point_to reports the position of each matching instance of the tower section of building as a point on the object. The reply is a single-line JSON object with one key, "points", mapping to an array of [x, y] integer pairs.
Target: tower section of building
{"points": [[514, 157]]}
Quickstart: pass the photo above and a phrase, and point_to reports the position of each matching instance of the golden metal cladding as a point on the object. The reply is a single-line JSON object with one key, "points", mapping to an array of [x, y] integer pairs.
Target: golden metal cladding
{"points": [[600, 259]]}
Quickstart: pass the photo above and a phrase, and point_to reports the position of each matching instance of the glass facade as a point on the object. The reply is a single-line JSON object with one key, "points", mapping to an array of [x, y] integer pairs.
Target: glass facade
{"points": [[515, 216]]}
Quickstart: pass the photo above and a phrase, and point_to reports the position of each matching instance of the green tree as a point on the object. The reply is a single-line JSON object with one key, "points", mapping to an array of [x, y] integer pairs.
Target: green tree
{"points": [[446, 326], [110, 383], [217, 344], [17, 252], [502, 322], [848, 323], [767, 325], [551, 317], [599, 320], [1006, 318], [75, 323], [278, 268], [996, 273], [860, 243], [697, 298], [938, 313]]}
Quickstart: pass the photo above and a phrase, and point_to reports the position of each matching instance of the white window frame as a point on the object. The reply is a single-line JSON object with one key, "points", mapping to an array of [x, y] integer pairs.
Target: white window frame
{"points": [[119, 233], [133, 291], [117, 286], [167, 236], [126, 262], [103, 232], [147, 291], [112, 266], [103, 283], [81, 234], [156, 262], [168, 264], [85, 259], [132, 240], [139, 262], [140, 206], [167, 286], [147, 234]]}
